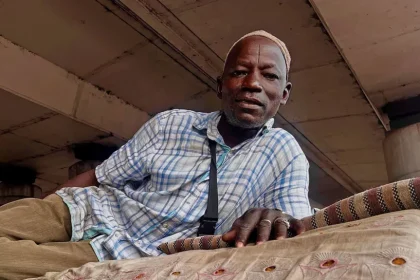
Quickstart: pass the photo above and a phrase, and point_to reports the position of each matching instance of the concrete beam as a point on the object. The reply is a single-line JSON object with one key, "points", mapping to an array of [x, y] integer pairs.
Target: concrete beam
{"points": [[156, 17], [381, 117], [31, 77]]}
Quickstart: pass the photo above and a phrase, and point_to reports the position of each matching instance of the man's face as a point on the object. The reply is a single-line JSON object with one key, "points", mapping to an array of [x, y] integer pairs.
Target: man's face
{"points": [[254, 82]]}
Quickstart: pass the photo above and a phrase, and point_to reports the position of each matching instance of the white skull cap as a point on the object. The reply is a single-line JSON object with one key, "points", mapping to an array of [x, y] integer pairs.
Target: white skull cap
{"points": [[271, 37]]}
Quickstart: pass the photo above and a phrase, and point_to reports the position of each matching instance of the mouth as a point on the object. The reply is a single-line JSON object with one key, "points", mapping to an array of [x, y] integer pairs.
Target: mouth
{"points": [[249, 102]]}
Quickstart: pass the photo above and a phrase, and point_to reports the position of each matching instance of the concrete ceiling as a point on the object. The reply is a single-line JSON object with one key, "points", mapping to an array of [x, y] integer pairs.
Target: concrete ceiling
{"points": [[95, 71], [34, 136], [380, 41]]}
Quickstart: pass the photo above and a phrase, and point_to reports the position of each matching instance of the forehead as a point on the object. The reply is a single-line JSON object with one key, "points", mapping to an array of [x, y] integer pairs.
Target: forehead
{"points": [[256, 49]]}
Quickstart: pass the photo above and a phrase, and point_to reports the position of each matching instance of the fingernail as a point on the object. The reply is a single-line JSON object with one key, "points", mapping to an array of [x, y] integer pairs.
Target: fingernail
{"points": [[239, 244], [259, 242], [280, 238]]}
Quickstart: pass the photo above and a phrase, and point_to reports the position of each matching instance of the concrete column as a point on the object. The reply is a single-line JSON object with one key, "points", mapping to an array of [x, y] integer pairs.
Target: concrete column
{"points": [[402, 153]]}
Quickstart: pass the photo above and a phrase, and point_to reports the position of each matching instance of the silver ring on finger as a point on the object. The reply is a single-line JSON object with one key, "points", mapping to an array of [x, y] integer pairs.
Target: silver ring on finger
{"points": [[265, 221], [282, 221]]}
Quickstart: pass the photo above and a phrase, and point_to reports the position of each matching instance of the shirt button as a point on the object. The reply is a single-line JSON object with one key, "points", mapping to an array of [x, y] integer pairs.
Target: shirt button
{"points": [[165, 225]]}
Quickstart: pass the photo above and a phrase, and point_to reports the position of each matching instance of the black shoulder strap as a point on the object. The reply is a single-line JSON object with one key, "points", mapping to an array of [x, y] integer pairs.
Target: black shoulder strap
{"points": [[209, 220]]}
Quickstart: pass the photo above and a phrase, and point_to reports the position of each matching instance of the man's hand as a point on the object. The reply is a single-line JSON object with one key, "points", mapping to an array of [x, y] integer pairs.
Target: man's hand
{"points": [[265, 224]]}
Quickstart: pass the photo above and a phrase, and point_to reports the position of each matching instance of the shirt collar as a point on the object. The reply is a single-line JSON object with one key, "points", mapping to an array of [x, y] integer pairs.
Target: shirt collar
{"points": [[210, 121], [203, 121]]}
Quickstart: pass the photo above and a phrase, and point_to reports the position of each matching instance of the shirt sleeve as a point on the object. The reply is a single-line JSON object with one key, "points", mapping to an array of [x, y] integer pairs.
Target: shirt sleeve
{"points": [[132, 161], [289, 192]]}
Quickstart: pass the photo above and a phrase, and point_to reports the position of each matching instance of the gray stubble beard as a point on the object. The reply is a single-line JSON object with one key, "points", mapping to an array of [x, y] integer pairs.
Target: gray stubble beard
{"points": [[232, 120]]}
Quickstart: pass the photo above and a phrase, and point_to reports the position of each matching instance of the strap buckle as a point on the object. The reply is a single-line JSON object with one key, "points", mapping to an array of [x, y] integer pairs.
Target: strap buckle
{"points": [[207, 226]]}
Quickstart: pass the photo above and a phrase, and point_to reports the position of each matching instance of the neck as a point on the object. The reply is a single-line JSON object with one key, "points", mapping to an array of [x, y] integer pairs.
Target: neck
{"points": [[233, 135]]}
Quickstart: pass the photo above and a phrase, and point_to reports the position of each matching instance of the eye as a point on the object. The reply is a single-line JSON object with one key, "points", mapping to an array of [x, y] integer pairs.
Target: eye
{"points": [[271, 76], [239, 73]]}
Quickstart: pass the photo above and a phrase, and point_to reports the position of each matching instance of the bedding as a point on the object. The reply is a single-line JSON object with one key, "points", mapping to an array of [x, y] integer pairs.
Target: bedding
{"points": [[369, 246], [383, 199]]}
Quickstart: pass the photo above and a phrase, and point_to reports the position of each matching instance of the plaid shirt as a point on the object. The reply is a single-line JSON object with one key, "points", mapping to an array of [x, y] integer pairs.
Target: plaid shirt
{"points": [[154, 188]]}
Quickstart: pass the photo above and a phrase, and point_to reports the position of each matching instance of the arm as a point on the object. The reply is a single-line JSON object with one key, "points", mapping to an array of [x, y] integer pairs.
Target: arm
{"points": [[288, 194], [85, 179], [129, 163], [132, 161]]}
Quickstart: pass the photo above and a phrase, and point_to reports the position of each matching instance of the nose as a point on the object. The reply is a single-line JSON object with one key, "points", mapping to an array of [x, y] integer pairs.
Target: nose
{"points": [[251, 83]]}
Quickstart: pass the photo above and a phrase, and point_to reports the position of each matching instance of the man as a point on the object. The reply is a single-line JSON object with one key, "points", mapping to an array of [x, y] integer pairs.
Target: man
{"points": [[154, 189]]}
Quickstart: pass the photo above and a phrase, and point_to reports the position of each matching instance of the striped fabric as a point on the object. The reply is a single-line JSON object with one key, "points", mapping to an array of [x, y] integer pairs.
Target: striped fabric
{"points": [[393, 197], [154, 189]]}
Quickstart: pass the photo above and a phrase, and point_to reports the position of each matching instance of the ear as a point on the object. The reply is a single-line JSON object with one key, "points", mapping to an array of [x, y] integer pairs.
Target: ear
{"points": [[219, 87], [286, 93]]}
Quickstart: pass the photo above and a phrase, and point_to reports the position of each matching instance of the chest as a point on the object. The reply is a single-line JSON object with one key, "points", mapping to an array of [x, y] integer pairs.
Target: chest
{"points": [[186, 163]]}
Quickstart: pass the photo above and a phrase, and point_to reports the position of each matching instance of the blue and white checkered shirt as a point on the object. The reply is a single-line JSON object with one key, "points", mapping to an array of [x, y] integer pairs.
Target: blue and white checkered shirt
{"points": [[154, 188]]}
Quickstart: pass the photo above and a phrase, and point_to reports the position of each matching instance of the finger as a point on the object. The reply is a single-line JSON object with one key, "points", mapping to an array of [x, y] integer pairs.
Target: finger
{"points": [[280, 228], [229, 236], [297, 226], [265, 226], [246, 225]]}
